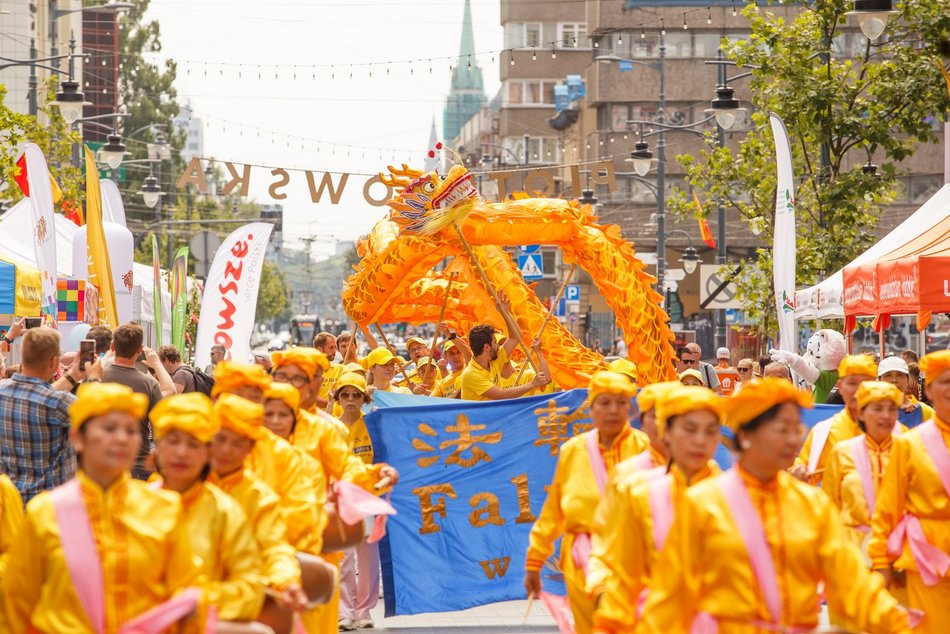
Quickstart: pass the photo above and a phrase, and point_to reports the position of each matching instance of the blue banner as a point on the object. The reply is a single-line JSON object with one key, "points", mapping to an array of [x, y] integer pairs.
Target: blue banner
{"points": [[472, 482]]}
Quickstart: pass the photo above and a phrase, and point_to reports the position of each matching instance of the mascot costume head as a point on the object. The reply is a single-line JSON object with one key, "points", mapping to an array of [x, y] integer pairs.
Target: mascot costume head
{"points": [[819, 365]]}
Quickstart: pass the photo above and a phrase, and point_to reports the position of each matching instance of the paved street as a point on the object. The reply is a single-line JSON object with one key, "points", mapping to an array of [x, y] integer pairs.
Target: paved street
{"points": [[487, 619]]}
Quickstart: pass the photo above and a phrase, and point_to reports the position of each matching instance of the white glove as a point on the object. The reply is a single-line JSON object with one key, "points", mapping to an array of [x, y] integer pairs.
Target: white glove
{"points": [[782, 356], [798, 364]]}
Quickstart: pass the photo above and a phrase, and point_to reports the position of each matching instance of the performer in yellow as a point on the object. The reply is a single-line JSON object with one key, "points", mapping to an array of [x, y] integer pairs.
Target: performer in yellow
{"points": [[101, 550], [216, 525], [11, 520], [584, 465], [625, 367], [749, 548], [632, 520], [239, 427], [857, 466], [324, 438], [813, 457], [656, 453], [455, 354], [910, 530], [275, 461]]}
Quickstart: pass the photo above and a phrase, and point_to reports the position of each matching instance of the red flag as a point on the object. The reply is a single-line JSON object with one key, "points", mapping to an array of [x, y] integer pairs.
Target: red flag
{"points": [[72, 211], [703, 225], [20, 178]]}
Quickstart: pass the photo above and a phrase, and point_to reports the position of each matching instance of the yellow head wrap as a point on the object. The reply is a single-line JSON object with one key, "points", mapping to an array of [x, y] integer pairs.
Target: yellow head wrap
{"points": [[229, 376], [189, 412], [351, 379], [934, 364], [861, 364], [760, 396], [286, 393], [874, 391], [624, 366], [683, 399], [96, 399], [307, 359], [239, 415], [606, 382], [652, 394]]}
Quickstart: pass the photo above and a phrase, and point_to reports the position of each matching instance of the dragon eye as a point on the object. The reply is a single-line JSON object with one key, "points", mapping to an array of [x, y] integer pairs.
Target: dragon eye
{"points": [[428, 187]]}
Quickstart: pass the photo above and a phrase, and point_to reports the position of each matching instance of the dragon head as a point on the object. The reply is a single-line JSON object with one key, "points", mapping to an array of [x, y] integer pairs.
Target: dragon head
{"points": [[423, 197]]}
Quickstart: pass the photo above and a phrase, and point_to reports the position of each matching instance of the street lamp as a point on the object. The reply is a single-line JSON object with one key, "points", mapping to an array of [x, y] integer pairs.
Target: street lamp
{"points": [[151, 191], [70, 101], [113, 151], [690, 259], [641, 157], [725, 107], [872, 16]]}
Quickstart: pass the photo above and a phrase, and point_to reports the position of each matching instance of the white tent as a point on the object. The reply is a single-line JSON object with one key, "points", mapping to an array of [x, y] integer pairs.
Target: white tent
{"points": [[16, 240], [825, 299]]}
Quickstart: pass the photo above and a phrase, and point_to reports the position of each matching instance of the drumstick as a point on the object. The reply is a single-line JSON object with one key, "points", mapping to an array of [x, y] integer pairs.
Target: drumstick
{"points": [[527, 610]]}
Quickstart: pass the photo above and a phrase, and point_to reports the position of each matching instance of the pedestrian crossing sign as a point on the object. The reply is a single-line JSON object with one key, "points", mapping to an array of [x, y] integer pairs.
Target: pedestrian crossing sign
{"points": [[531, 266]]}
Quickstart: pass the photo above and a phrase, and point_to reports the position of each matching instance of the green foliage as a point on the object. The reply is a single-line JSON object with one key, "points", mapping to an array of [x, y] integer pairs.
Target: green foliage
{"points": [[272, 300], [838, 112], [54, 138]]}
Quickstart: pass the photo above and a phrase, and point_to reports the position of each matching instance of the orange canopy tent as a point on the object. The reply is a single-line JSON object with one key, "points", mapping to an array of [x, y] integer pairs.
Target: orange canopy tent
{"points": [[912, 279]]}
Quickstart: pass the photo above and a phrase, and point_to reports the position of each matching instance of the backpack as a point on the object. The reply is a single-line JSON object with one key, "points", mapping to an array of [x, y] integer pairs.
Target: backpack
{"points": [[203, 382]]}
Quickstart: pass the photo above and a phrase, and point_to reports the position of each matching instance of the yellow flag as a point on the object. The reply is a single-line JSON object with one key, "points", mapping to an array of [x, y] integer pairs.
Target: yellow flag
{"points": [[100, 270]]}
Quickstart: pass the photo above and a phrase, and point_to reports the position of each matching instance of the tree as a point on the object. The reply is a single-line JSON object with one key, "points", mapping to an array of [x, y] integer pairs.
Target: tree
{"points": [[54, 138], [840, 111], [272, 301]]}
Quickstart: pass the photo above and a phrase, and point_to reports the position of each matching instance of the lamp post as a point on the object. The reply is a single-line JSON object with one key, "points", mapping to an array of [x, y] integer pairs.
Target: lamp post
{"points": [[55, 14], [34, 62]]}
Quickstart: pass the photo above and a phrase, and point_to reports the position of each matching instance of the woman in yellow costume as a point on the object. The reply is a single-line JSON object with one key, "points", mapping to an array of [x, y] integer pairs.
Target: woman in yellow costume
{"points": [[749, 548], [289, 590], [102, 551], [656, 453], [11, 520], [583, 467], [217, 526], [632, 521], [910, 530]]}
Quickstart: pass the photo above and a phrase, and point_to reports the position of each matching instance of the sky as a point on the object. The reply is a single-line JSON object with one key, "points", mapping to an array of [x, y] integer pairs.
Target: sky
{"points": [[236, 69]]}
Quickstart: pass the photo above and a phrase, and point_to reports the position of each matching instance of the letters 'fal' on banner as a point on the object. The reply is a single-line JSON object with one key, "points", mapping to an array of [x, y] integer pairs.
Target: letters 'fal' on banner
{"points": [[229, 303]]}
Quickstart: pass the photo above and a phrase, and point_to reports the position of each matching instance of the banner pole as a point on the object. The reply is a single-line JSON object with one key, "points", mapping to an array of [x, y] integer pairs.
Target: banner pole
{"points": [[445, 303], [547, 317], [494, 294]]}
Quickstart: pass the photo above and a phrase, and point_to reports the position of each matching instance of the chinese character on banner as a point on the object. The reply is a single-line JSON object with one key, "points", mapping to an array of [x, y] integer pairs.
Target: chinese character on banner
{"points": [[465, 442]]}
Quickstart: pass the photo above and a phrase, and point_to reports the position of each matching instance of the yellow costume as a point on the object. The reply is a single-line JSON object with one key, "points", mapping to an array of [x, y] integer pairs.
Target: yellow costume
{"points": [[624, 550], [911, 487], [476, 380], [216, 525], [844, 487], [705, 566], [143, 547], [279, 567], [572, 498], [11, 521], [329, 380], [450, 386]]}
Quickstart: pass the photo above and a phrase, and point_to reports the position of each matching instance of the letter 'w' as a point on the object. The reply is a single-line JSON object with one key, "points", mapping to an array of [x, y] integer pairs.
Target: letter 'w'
{"points": [[495, 567]]}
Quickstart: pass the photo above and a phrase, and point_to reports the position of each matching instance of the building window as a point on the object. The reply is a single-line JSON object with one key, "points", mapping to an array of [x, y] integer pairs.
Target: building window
{"points": [[572, 35], [541, 150], [530, 92]]}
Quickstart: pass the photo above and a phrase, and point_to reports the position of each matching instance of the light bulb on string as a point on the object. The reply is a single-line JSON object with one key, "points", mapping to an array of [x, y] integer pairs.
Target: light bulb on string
{"points": [[351, 71], [275, 73], [734, 8], [258, 72], [470, 62], [511, 58], [685, 27], [708, 15], [620, 39], [662, 28], [295, 71], [643, 35], [206, 70], [534, 56], [553, 53]]}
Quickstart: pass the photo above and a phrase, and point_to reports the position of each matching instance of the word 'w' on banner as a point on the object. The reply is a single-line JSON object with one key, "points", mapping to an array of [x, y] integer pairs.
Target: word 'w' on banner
{"points": [[473, 479]]}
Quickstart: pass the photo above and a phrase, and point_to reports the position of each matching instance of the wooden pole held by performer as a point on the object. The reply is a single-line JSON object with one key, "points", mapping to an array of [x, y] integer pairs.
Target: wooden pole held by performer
{"points": [[547, 318], [402, 368], [445, 303]]}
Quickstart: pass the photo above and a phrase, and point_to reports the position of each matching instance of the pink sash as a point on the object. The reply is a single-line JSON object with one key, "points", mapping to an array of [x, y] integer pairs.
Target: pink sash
{"points": [[862, 464], [80, 551], [661, 509], [161, 617], [932, 563], [642, 461], [354, 503], [560, 610], [753, 534], [596, 460], [819, 438]]}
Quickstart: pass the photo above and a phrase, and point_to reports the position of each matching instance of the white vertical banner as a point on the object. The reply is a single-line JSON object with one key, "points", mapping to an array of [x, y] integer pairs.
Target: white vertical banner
{"points": [[229, 302], [44, 225], [113, 210], [784, 249]]}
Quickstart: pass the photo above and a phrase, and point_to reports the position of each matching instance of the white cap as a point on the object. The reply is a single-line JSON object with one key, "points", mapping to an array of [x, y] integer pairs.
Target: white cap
{"points": [[722, 353], [892, 364]]}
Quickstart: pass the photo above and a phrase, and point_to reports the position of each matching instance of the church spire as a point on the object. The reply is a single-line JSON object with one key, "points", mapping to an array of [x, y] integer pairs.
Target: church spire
{"points": [[468, 37], [467, 94]]}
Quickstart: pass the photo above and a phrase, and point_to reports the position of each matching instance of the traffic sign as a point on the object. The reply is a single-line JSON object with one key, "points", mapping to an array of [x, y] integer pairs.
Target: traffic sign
{"points": [[573, 293], [709, 281], [573, 317], [530, 248], [531, 266], [560, 309]]}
